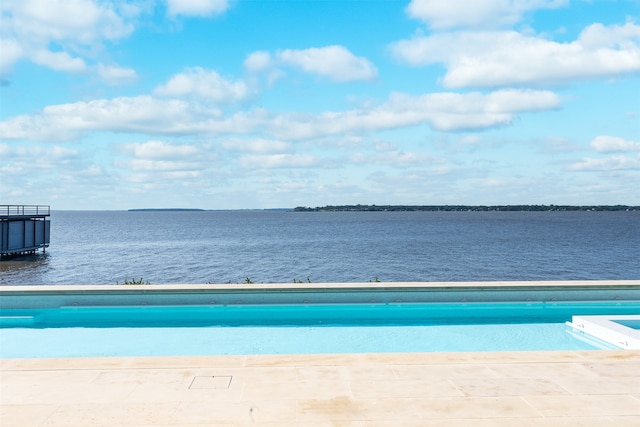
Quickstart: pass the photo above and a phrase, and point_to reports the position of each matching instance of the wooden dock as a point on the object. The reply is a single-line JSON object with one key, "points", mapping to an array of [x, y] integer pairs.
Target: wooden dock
{"points": [[24, 229]]}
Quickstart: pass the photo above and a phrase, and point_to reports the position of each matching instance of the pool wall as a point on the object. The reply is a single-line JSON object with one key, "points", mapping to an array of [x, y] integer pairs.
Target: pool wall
{"points": [[18, 297]]}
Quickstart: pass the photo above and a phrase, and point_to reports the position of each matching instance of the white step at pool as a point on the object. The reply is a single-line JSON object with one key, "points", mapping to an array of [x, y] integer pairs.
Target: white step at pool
{"points": [[622, 331]]}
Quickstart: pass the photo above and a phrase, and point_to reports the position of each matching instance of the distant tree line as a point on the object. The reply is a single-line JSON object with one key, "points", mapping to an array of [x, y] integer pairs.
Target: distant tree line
{"points": [[449, 208]]}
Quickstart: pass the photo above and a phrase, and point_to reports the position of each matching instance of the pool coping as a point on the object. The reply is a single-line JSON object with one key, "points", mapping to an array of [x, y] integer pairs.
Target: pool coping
{"points": [[327, 286], [246, 360], [36, 297]]}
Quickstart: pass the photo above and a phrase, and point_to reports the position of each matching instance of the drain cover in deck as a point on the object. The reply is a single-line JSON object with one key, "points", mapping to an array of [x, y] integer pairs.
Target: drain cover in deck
{"points": [[211, 382]]}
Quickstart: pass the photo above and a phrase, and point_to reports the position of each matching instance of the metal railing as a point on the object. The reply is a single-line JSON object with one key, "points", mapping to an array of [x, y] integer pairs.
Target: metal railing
{"points": [[24, 210]]}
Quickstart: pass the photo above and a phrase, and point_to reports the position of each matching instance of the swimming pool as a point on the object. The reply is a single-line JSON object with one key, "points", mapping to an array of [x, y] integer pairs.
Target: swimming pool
{"points": [[274, 319]]}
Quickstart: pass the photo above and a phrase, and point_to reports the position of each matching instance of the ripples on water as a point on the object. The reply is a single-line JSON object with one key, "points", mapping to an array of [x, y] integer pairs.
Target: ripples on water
{"points": [[279, 246]]}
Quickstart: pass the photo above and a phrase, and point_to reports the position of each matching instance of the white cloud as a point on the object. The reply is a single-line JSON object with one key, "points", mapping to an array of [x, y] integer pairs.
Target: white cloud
{"points": [[262, 62], [72, 21], [92, 171], [59, 61], [470, 140], [125, 114], [182, 175], [505, 58], [153, 150], [11, 53], [612, 144], [116, 76], [196, 7], [46, 159], [152, 162], [441, 111], [277, 161], [29, 28], [145, 114], [257, 145], [611, 163], [55, 152], [258, 61], [207, 84], [558, 144], [396, 159], [440, 14], [335, 62], [597, 36], [162, 165]]}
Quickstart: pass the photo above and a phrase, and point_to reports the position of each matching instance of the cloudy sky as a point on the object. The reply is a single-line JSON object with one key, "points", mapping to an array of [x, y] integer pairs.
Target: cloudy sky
{"points": [[227, 104]]}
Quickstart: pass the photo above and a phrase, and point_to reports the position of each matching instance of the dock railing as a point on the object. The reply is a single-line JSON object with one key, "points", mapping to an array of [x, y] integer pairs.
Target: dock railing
{"points": [[24, 210]]}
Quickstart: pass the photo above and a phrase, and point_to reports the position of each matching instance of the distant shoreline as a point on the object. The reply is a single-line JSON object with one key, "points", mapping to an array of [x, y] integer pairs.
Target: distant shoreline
{"points": [[423, 208], [204, 210], [464, 208], [165, 210]]}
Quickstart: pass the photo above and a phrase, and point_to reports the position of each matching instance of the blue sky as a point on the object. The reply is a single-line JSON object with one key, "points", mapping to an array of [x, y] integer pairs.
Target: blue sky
{"points": [[221, 104]]}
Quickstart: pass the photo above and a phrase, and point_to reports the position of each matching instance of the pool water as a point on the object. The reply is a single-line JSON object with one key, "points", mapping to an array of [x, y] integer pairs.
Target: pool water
{"points": [[633, 324], [192, 341], [297, 329]]}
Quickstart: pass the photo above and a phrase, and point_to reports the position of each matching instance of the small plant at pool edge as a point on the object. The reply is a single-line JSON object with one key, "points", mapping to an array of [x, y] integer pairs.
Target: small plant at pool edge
{"points": [[134, 282]]}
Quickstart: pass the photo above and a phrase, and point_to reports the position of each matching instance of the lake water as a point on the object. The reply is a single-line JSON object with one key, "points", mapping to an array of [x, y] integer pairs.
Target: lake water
{"points": [[109, 247]]}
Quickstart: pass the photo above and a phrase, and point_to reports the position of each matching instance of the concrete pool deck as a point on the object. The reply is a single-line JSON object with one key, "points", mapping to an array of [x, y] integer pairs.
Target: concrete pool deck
{"points": [[575, 388], [550, 388]]}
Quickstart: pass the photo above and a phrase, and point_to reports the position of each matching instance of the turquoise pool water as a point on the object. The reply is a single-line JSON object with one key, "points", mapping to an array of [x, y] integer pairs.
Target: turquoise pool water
{"points": [[417, 314], [297, 329], [633, 324]]}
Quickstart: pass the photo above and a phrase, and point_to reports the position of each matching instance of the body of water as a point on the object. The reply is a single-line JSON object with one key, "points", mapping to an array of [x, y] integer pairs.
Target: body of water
{"points": [[76, 331], [109, 247]]}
